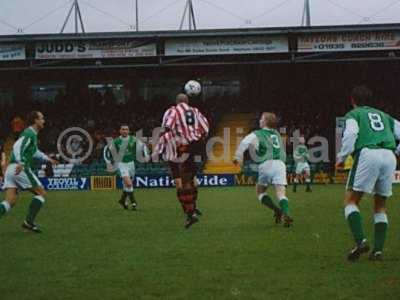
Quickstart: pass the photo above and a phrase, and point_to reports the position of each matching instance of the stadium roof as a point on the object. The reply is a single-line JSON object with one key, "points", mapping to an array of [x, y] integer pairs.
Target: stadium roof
{"points": [[199, 33], [200, 47]]}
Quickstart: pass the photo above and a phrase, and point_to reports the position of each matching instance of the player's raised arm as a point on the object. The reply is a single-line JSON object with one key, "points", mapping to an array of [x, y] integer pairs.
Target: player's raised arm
{"points": [[250, 139], [349, 140], [169, 119], [203, 122]]}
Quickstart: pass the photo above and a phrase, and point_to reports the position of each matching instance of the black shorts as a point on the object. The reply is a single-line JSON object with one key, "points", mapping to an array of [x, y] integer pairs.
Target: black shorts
{"points": [[187, 170]]}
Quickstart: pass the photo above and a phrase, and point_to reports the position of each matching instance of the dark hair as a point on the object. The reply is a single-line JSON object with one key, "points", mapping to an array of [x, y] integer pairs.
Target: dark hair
{"points": [[123, 125], [32, 116], [362, 95]]}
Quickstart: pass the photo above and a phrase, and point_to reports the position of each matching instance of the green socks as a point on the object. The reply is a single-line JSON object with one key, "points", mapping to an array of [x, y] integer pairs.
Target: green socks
{"points": [[131, 197], [295, 183], [284, 204], [34, 208], [308, 184], [123, 196], [4, 208], [381, 224], [267, 201], [353, 217], [128, 191]]}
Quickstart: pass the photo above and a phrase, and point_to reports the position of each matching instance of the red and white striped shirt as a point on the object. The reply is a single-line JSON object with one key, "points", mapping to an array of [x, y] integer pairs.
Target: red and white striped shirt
{"points": [[184, 124]]}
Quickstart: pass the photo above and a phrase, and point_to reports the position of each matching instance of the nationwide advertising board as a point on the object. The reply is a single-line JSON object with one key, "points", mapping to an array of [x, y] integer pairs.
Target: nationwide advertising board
{"points": [[350, 41], [65, 183], [94, 49], [227, 45], [12, 52], [161, 181]]}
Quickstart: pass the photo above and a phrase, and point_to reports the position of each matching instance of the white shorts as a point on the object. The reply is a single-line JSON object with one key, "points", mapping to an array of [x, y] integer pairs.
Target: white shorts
{"points": [[302, 167], [372, 172], [126, 169], [26, 179], [272, 172]]}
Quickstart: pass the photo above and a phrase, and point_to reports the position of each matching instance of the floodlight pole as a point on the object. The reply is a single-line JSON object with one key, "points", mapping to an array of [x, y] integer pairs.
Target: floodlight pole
{"points": [[306, 19], [78, 18], [137, 14], [191, 16]]}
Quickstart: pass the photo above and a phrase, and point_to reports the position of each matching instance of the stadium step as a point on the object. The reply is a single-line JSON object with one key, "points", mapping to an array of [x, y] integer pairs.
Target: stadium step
{"points": [[233, 127]]}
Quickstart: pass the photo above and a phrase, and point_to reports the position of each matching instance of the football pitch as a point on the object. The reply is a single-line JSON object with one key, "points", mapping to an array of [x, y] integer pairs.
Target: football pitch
{"points": [[92, 249]]}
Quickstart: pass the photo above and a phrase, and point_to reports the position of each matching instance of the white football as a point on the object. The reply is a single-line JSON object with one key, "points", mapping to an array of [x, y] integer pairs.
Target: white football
{"points": [[192, 88]]}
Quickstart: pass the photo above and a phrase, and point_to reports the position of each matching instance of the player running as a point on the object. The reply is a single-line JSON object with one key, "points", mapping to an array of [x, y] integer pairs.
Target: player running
{"points": [[270, 157], [184, 129], [301, 156], [127, 147], [370, 137], [19, 174]]}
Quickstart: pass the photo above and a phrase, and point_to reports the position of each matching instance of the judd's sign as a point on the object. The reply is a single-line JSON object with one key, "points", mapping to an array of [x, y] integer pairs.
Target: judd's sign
{"points": [[93, 49]]}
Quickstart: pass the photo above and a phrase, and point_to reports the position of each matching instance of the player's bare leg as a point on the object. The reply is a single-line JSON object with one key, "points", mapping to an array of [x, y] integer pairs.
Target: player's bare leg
{"points": [[381, 224], [36, 204], [280, 191], [266, 200], [9, 202], [353, 216]]}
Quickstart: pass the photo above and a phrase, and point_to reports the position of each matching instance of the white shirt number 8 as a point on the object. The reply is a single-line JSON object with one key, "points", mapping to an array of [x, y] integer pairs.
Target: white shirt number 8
{"points": [[376, 122]]}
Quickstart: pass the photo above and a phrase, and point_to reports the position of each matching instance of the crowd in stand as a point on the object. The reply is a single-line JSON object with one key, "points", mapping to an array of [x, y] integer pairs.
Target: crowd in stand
{"points": [[100, 114]]}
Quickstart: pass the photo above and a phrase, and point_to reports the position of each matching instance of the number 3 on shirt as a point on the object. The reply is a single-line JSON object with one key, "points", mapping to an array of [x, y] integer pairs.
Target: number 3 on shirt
{"points": [[376, 122], [275, 141], [189, 115]]}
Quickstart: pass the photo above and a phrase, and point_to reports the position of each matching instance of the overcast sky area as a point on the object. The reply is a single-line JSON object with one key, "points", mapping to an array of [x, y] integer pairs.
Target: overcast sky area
{"points": [[47, 16]]}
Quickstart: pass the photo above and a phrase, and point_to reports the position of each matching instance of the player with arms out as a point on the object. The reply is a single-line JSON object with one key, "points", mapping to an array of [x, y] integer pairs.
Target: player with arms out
{"points": [[19, 174], [270, 157], [369, 137], [301, 156], [184, 129], [128, 149]]}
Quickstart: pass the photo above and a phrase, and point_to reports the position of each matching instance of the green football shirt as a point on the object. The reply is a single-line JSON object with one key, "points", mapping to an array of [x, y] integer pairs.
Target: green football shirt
{"points": [[129, 154], [270, 146], [376, 128], [301, 153], [25, 148]]}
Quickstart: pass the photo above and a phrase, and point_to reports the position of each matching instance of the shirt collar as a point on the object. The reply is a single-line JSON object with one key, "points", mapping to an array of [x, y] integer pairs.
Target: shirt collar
{"points": [[184, 105], [33, 129]]}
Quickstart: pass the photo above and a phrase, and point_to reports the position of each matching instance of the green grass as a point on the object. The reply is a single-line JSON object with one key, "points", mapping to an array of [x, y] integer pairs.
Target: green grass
{"points": [[92, 249]]}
